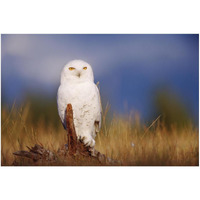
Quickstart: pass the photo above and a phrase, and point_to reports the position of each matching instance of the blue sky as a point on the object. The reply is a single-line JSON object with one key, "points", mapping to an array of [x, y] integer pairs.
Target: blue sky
{"points": [[129, 67]]}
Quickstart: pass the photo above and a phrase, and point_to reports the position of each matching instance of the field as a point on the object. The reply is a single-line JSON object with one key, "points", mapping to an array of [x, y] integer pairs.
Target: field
{"points": [[122, 138]]}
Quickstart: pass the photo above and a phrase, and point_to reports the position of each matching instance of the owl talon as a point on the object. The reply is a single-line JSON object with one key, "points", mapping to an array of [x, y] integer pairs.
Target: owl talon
{"points": [[89, 142]]}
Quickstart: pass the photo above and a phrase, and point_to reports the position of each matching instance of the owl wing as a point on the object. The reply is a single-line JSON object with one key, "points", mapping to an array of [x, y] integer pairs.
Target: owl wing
{"points": [[97, 122], [61, 103]]}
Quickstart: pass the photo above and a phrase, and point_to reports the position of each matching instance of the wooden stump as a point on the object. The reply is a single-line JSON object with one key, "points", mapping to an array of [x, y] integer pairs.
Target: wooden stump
{"points": [[71, 154], [72, 138]]}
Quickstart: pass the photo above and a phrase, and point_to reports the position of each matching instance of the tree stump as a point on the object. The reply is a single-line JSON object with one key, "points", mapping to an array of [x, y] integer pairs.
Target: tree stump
{"points": [[74, 153], [72, 138]]}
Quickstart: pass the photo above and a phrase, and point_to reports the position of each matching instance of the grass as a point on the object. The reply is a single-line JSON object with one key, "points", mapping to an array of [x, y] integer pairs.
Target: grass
{"points": [[124, 138]]}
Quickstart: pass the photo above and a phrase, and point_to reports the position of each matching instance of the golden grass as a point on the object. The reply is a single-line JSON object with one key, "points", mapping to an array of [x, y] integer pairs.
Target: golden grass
{"points": [[124, 139]]}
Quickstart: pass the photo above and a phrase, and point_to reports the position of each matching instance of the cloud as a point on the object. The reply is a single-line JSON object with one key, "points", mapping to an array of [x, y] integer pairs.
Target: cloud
{"points": [[33, 56], [16, 45]]}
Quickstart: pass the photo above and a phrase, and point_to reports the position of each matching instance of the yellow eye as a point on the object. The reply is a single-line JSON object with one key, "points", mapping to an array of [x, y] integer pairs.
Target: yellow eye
{"points": [[71, 68], [84, 68]]}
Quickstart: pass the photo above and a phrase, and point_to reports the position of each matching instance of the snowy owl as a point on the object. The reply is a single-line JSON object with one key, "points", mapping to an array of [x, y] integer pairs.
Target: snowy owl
{"points": [[77, 87]]}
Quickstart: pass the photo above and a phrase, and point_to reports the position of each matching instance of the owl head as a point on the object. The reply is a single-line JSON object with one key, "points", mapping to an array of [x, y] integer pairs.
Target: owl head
{"points": [[77, 70]]}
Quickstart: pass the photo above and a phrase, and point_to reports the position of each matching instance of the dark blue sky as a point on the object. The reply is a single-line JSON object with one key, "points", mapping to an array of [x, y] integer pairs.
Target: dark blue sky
{"points": [[129, 67]]}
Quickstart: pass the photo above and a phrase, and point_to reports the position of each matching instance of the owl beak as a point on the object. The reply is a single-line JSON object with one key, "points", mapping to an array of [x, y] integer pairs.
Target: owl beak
{"points": [[79, 74]]}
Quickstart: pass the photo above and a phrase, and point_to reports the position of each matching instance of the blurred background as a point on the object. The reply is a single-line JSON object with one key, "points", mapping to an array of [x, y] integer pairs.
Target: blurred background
{"points": [[149, 74]]}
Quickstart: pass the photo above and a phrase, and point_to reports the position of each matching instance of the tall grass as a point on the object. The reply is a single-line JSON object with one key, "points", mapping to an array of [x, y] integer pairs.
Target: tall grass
{"points": [[124, 138]]}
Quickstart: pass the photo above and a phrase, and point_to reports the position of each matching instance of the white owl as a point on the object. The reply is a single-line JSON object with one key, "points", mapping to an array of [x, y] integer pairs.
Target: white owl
{"points": [[77, 87]]}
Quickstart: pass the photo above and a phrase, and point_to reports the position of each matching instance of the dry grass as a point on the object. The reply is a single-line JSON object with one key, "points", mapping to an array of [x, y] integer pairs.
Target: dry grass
{"points": [[124, 139]]}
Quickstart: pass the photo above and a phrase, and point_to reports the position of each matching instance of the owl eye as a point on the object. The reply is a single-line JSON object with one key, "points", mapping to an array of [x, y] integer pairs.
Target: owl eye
{"points": [[84, 68], [71, 68]]}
